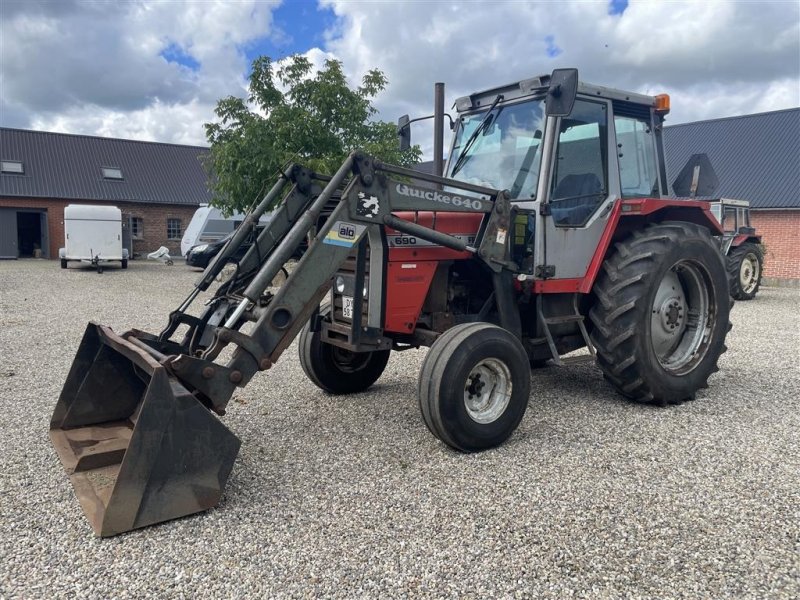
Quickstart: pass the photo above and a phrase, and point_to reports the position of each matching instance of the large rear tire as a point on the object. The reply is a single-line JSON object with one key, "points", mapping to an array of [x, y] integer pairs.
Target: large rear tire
{"points": [[745, 264], [336, 370], [474, 386], [662, 313]]}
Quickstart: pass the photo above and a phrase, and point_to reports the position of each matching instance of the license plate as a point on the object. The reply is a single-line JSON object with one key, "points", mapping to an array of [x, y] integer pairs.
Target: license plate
{"points": [[347, 307]]}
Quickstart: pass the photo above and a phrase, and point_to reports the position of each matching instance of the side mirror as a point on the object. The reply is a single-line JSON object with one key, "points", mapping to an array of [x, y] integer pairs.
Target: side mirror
{"points": [[404, 132], [562, 91]]}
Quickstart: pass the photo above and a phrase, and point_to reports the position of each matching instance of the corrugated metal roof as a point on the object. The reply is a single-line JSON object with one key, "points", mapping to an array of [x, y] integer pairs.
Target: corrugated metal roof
{"points": [[68, 166], [756, 157]]}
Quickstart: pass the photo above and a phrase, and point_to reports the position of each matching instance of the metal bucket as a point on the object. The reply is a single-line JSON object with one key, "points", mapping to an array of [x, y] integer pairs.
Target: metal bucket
{"points": [[139, 448]]}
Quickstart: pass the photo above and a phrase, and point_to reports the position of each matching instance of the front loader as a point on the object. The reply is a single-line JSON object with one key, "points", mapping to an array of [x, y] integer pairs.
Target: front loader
{"points": [[549, 233]]}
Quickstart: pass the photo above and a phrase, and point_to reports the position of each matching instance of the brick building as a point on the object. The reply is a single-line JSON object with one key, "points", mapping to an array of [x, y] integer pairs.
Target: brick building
{"points": [[157, 186], [756, 158]]}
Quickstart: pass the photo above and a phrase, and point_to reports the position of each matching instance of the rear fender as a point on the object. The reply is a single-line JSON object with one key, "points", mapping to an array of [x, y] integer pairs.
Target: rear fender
{"points": [[744, 238], [626, 217]]}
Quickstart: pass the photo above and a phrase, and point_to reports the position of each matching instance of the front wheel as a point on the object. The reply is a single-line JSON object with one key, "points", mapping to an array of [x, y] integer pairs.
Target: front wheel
{"points": [[662, 313], [336, 370], [124, 263], [744, 271], [474, 386], [63, 263]]}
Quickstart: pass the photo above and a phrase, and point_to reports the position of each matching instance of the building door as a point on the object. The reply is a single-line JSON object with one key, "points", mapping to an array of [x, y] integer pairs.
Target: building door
{"points": [[8, 233], [29, 233]]}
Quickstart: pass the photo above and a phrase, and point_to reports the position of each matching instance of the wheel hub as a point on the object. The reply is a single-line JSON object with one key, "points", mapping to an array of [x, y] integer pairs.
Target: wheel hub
{"points": [[679, 317], [487, 390], [673, 313], [476, 385], [748, 273]]}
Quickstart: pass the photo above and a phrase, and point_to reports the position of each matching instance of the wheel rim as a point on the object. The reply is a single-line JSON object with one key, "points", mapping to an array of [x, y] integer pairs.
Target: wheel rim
{"points": [[682, 317], [748, 273], [349, 362], [487, 391]]}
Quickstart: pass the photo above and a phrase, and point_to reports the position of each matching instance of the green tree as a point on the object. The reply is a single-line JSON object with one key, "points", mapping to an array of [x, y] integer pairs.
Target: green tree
{"points": [[294, 115]]}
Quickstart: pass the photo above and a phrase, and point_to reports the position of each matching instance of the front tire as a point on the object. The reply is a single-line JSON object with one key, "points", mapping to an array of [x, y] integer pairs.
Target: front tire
{"points": [[124, 263], [474, 386], [336, 370], [745, 264], [63, 263], [662, 313]]}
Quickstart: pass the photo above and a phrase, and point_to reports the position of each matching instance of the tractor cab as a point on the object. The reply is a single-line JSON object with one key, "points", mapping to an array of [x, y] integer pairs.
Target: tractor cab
{"points": [[566, 152]]}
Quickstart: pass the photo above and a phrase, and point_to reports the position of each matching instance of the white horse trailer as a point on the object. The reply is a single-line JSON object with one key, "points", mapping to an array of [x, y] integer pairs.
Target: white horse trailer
{"points": [[93, 234]]}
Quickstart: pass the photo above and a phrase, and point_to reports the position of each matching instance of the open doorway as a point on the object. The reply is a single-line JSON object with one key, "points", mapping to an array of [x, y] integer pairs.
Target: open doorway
{"points": [[29, 234]]}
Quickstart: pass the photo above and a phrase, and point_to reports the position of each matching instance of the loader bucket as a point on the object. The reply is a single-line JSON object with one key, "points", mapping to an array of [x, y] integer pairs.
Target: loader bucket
{"points": [[138, 447]]}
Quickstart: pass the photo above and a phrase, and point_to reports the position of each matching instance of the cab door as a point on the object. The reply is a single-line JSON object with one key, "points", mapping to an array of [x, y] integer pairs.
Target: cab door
{"points": [[578, 189]]}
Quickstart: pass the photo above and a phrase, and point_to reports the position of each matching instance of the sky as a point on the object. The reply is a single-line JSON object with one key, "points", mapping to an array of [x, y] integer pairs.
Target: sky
{"points": [[154, 70]]}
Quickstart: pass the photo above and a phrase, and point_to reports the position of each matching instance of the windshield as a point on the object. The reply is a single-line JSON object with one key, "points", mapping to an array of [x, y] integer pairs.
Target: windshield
{"points": [[505, 154]]}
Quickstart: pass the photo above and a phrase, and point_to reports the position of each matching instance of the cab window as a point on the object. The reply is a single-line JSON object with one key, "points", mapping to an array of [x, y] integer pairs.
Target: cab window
{"points": [[580, 181], [638, 172], [729, 219]]}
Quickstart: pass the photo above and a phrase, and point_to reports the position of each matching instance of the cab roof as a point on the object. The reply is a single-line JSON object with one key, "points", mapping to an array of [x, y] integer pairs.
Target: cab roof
{"points": [[538, 85]]}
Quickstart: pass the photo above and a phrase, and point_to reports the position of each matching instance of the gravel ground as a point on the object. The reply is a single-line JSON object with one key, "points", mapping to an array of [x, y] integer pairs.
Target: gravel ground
{"points": [[593, 496]]}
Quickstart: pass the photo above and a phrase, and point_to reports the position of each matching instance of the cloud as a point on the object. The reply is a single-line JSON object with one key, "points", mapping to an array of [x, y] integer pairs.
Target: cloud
{"points": [[715, 58], [126, 69], [154, 70]]}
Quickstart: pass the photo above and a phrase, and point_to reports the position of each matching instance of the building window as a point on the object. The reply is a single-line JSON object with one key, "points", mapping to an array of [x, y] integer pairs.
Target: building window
{"points": [[173, 229], [112, 172], [137, 228], [12, 166]]}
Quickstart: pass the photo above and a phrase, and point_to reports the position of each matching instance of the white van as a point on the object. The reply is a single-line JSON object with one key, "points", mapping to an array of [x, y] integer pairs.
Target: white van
{"points": [[93, 234]]}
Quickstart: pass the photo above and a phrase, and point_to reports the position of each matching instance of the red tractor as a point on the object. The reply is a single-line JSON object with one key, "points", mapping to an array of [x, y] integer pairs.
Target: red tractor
{"points": [[550, 231], [741, 246]]}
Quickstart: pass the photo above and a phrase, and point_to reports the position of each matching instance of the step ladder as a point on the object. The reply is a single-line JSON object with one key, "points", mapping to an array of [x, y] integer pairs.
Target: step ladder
{"points": [[574, 317]]}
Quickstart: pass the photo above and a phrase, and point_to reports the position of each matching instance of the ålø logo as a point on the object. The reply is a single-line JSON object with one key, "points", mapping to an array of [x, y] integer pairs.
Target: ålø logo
{"points": [[367, 206]]}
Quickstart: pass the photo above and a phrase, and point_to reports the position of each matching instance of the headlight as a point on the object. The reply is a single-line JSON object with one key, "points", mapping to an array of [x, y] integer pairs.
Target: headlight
{"points": [[200, 248], [340, 284]]}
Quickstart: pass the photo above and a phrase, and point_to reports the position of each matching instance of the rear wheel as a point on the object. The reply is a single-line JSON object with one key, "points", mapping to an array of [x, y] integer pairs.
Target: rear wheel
{"points": [[336, 370], [124, 263], [662, 313], [474, 386], [744, 271]]}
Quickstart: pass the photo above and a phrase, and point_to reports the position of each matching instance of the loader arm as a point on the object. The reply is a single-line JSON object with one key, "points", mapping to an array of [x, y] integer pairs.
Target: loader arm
{"points": [[134, 426], [368, 197]]}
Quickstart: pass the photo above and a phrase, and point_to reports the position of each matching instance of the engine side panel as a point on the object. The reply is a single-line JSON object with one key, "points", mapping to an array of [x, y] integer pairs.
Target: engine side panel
{"points": [[413, 262]]}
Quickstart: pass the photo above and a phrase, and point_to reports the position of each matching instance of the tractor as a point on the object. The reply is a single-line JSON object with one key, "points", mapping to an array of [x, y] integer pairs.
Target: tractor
{"points": [[549, 231], [741, 246]]}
